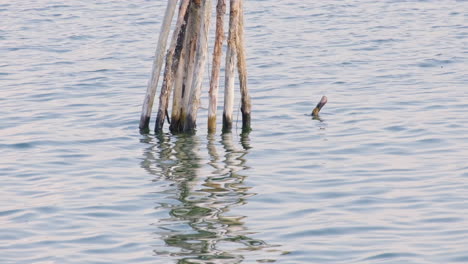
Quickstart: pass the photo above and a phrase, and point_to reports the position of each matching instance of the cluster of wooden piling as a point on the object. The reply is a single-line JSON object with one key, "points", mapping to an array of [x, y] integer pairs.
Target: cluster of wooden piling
{"points": [[185, 62]]}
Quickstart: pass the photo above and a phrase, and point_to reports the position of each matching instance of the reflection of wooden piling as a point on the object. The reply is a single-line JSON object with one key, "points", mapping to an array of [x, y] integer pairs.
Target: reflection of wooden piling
{"points": [[172, 64], [157, 64], [242, 70], [230, 65], [197, 220], [217, 53]]}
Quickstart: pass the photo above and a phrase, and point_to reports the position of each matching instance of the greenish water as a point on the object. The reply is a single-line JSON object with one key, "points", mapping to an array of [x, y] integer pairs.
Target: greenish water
{"points": [[381, 178]]}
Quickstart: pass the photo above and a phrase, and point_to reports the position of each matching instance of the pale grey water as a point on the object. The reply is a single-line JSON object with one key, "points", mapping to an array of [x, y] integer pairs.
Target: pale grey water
{"points": [[382, 179]]}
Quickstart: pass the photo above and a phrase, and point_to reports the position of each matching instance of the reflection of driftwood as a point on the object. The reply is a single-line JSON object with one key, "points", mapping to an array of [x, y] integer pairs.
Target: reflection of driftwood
{"points": [[198, 222]]}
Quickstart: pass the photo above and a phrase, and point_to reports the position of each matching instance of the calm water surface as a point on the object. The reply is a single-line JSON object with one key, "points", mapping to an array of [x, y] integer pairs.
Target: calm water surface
{"points": [[382, 178]]}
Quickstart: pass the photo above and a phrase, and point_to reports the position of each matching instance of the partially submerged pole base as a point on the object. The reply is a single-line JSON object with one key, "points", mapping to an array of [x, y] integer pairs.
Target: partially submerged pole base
{"points": [[319, 106], [246, 128], [212, 124], [227, 124]]}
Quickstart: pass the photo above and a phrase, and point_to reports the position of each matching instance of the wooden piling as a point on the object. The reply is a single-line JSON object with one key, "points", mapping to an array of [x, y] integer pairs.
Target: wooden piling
{"points": [[172, 64], [179, 83], [216, 65], [157, 64], [190, 47], [242, 70], [199, 70], [230, 64]]}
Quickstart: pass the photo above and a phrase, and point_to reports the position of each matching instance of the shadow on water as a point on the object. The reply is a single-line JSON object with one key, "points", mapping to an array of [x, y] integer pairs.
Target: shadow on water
{"points": [[207, 182]]}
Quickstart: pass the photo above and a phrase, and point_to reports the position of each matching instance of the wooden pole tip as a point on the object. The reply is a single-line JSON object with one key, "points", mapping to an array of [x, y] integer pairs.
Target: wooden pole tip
{"points": [[319, 106]]}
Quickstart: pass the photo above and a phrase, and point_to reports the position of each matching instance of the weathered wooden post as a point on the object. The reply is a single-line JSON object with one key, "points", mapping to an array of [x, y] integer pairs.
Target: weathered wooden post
{"points": [[230, 64], [186, 101], [172, 64], [200, 62], [216, 65], [157, 64], [184, 76], [242, 70], [177, 100], [189, 53]]}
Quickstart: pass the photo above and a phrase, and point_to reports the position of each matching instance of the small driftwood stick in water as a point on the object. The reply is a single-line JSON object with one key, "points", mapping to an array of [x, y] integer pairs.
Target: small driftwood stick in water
{"points": [[200, 62], [217, 53], [172, 64], [157, 64], [230, 64], [242, 69], [319, 106]]}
